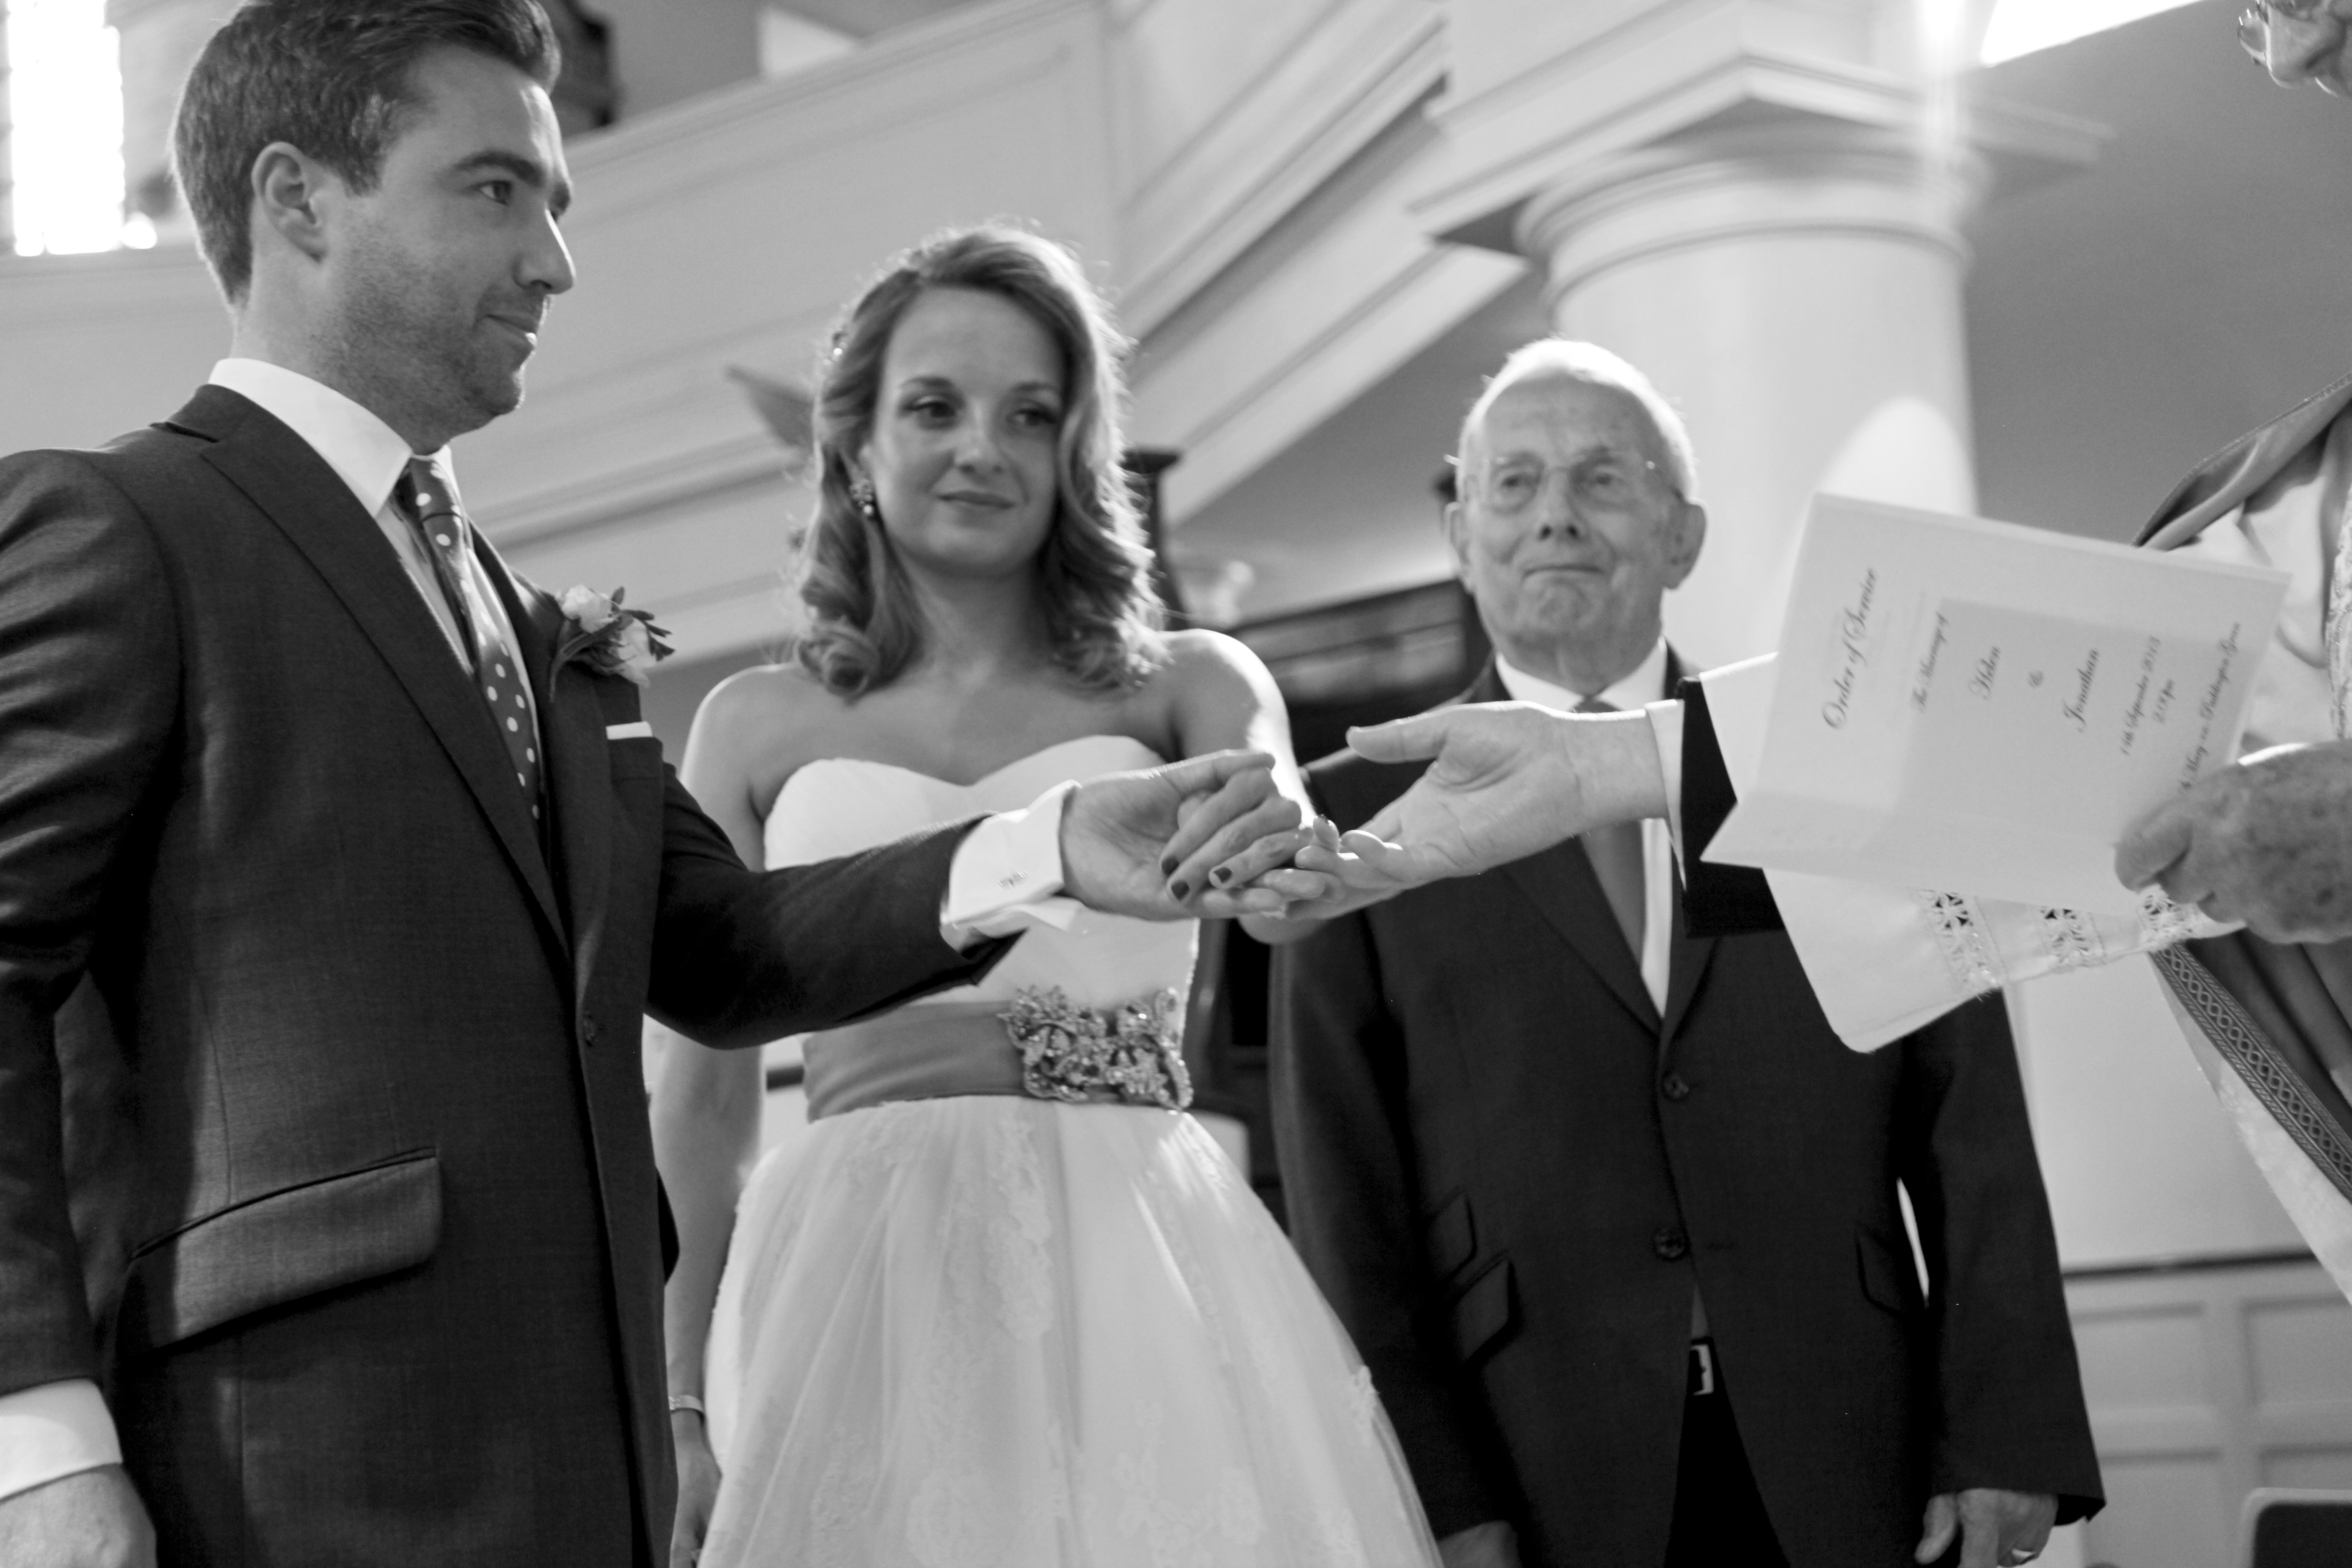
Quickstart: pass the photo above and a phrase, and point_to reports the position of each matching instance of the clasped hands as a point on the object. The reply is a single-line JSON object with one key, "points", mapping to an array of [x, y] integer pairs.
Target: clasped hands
{"points": [[2268, 841], [1215, 835]]}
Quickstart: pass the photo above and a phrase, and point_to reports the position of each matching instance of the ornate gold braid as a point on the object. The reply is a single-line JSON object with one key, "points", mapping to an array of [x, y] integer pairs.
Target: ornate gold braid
{"points": [[2253, 1057]]}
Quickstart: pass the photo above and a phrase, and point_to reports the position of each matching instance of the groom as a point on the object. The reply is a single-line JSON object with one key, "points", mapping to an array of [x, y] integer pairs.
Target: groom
{"points": [[375, 867]]}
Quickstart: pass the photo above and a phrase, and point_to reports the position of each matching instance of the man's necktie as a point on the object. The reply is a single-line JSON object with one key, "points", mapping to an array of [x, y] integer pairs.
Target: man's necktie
{"points": [[429, 502], [1616, 855]]}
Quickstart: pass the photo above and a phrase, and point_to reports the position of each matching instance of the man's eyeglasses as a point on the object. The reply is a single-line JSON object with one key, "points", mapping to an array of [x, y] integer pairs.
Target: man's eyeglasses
{"points": [[1600, 483]]}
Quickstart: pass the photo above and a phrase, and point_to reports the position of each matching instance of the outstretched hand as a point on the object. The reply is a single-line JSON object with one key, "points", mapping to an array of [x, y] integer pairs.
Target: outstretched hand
{"points": [[1181, 840], [1508, 779], [2268, 842]]}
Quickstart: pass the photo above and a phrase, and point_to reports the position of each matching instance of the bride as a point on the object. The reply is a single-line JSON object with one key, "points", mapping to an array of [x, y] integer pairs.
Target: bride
{"points": [[1005, 1303]]}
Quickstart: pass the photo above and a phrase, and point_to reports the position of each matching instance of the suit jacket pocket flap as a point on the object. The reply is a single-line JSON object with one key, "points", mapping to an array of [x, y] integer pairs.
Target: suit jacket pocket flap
{"points": [[1888, 1275], [281, 1247], [1483, 1312]]}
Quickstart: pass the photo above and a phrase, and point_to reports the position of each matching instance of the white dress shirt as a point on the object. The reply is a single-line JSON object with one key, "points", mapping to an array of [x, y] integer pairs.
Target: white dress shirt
{"points": [[1635, 693], [1006, 873]]}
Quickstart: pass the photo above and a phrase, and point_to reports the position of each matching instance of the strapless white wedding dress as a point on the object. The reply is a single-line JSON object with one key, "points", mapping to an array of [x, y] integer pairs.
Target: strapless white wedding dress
{"points": [[962, 1327]]}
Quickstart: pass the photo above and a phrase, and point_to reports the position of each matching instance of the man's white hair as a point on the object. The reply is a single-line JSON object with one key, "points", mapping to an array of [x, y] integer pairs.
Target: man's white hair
{"points": [[1590, 362]]}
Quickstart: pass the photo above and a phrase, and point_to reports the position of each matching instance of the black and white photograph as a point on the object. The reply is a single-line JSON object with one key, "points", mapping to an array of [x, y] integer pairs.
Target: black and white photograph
{"points": [[1173, 784]]}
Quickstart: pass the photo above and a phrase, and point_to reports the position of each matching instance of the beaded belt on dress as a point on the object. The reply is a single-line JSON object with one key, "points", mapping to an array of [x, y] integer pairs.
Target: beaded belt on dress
{"points": [[1044, 1046]]}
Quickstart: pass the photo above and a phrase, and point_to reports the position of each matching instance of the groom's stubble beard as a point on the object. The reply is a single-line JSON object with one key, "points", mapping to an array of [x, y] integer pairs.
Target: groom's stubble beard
{"points": [[414, 346]]}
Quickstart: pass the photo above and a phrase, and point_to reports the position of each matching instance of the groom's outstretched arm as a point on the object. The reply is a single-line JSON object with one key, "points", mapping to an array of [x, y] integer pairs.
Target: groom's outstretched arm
{"points": [[740, 957], [88, 676]]}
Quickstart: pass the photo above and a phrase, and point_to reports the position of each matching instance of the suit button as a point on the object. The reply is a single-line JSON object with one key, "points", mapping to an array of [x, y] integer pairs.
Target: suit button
{"points": [[1674, 1086], [1670, 1243], [587, 1030]]}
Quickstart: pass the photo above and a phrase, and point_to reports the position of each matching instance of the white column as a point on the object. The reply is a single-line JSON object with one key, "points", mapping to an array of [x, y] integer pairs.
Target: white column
{"points": [[1795, 290]]}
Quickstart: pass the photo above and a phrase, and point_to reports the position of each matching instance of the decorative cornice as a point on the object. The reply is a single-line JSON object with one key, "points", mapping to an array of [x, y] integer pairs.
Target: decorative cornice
{"points": [[1281, 138], [1791, 177], [622, 497], [52, 291], [1509, 146], [844, 80]]}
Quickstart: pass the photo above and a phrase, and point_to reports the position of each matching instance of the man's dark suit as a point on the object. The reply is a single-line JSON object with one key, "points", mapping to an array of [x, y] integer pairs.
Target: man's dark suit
{"points": [[396, 1295], [1508, 1172]]}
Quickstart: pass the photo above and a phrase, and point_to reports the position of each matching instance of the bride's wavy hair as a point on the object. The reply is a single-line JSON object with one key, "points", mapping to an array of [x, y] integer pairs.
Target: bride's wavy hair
{"points": [[1102, 614]]}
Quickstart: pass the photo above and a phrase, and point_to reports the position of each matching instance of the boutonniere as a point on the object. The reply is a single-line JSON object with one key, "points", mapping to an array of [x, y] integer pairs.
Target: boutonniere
{"points": [[609, 639]]}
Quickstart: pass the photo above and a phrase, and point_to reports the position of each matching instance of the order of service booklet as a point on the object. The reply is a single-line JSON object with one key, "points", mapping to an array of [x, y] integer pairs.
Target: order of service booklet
{"points": [[1986, 709]]}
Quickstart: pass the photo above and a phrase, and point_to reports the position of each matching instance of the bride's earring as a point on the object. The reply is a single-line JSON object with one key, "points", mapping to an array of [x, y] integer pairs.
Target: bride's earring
{"points": [[861, 491]]}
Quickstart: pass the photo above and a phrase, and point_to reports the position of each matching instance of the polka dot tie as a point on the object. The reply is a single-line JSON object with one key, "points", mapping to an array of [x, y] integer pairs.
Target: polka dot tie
{"points": [[429, 502]]}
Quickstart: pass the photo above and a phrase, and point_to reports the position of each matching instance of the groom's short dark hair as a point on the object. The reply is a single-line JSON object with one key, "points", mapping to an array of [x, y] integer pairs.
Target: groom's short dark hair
{"points": [[331, 77]]}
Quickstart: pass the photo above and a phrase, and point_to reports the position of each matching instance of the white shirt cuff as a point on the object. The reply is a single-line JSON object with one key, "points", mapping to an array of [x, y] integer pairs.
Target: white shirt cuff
{"points": [[53, 1431], [1666, 728], [1007, 872]]}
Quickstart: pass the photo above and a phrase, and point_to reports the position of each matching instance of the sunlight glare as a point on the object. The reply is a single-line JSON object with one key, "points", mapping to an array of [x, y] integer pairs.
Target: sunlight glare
{"points": [[64, 98], [2021, 26]]}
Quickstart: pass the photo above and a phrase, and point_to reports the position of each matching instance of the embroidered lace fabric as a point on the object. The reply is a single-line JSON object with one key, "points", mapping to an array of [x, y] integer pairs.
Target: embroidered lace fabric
{"points": [[1986, 943], [1000, 1330], [1968, 948]]}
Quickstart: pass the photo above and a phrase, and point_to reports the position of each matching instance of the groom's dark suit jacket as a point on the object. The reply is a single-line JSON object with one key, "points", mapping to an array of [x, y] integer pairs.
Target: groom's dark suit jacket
{"points": [[1507, 1171], [395, 1296]]}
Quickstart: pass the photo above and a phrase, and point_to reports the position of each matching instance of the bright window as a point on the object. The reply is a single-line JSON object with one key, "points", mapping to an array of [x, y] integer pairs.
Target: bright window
{"points": [[2021, 27], [64, 129]]}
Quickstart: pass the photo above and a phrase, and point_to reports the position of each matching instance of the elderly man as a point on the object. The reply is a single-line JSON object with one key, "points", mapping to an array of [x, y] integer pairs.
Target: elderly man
{"points": [[1615, 1225], [2268, 843]]}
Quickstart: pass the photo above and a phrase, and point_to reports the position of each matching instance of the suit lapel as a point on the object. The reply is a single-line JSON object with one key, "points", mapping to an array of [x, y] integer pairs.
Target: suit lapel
{"points": [[1560, 882], [571, 732], [1686, 969], [1687, 955], [308, 502]]}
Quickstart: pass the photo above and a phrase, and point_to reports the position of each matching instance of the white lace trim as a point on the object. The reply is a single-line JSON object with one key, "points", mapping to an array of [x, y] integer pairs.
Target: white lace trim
{"points": [[1970, 955], [2071, 940], [2164, 924]]}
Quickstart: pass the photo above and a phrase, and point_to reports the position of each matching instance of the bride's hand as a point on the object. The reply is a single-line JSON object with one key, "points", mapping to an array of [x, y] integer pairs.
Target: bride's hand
{"points": [[698, 1487], [1309, 895], [1145, 843]]}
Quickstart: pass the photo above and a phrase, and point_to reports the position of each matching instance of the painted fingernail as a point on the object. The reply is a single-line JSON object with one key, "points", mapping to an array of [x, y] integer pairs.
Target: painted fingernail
{"points": [[1221, 876], [1180, 892], [1168, 864]]}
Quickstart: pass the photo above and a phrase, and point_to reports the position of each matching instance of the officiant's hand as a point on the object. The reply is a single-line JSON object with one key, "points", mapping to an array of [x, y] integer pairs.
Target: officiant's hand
{"points": [[2268, 842], [93, 1520], [1145, 843], [1508, 779]]}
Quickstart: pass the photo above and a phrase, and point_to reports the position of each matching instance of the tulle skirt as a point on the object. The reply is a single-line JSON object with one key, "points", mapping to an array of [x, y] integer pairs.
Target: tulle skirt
{"points": [[991, 1330]]}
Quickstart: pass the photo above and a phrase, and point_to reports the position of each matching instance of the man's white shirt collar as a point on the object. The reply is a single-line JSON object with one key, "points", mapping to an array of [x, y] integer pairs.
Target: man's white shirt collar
{"points": [[366, 453], [1636, 691]]}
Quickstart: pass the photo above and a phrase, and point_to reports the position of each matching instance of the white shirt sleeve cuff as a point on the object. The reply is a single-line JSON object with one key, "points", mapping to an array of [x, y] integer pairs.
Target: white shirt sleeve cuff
{"points": [[1007, 872], [53, 1431], [1666, 728]]}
